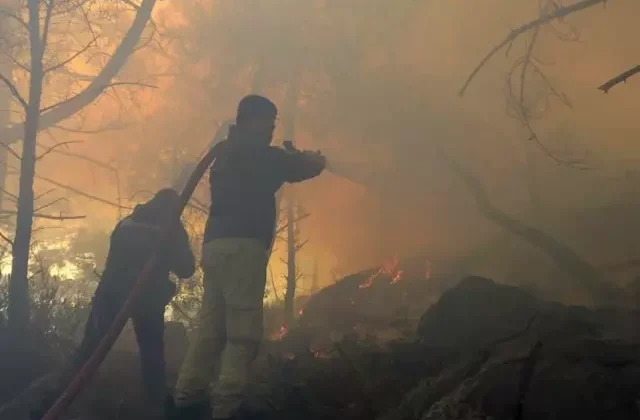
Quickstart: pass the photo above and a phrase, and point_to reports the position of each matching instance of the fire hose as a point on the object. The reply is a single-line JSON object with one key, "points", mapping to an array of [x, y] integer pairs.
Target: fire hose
{"points": [[98, 356], [93, 363]]}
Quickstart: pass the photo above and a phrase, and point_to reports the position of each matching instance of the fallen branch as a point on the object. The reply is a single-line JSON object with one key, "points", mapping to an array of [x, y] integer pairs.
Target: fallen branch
{"points": [[558, 13], [621, 78]]}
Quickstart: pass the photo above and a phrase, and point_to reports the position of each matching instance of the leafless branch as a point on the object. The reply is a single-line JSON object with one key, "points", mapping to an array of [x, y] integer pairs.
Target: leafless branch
{"points": [[6, 238], [109, 127], [10, 194], [70, 59], [524, 113], [16, 62], [57, 217], [44, 216], [621, 78], [46, 26], [54, 147], [82, 193], [102, 88], [44, 206], [14, 16], [39, 196], [297, 219], [557, 13], [14, 91], [300, 245], [10, 150]]}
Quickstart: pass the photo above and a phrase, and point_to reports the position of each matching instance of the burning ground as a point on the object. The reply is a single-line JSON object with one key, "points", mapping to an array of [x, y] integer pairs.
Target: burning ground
{"points": [[414, 340]]}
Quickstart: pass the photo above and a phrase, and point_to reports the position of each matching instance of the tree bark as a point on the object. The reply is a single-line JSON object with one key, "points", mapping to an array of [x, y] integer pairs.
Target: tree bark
{"points": [[564, 257], [97, 86], [18, 311]]}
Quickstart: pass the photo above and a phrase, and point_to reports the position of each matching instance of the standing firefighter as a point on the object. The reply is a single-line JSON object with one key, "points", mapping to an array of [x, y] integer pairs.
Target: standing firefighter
{"points": [[244, 178], [131, 245]]}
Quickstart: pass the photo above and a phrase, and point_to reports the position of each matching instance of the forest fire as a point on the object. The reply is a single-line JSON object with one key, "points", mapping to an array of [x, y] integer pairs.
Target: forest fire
{"points": [[282, 333], [389, 268], [397, 277]]}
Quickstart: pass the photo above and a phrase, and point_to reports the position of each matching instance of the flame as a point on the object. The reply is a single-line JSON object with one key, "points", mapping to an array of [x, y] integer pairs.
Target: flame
{"points": [[280, 334], [301, 312], [389, 268], [397, 277]]}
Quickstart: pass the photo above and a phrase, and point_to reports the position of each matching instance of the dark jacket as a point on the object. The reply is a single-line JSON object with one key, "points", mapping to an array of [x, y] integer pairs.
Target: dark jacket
{"points": [[132, 242], [244, 179]]}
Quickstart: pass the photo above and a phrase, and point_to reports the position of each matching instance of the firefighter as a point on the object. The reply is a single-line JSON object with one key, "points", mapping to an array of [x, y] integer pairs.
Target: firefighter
{"points": [[244, 178], [132, 242]]}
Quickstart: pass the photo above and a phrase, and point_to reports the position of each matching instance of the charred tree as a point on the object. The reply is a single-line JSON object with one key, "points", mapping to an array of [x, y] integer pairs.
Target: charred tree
{"points": [[289, 297], [289, 132], [18, 285], [564, 257], [38, 27], [52, 115]]}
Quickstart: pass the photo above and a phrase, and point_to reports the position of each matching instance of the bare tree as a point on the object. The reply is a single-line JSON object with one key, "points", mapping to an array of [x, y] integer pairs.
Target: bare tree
{"points": [[592, 278], [43, 61], [294, 245], [550, 12]]}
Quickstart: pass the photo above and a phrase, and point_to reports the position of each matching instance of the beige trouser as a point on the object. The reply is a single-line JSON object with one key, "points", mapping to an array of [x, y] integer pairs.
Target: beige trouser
{"points": [[230, 331]]}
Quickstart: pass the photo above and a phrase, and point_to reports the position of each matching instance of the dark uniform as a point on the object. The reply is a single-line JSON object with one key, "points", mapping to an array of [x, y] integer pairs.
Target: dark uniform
{"points": [[131, 244], [245, 176]]}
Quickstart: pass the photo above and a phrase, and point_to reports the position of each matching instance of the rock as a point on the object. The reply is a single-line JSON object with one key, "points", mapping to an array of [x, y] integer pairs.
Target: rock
{"points": [[477, 312]]}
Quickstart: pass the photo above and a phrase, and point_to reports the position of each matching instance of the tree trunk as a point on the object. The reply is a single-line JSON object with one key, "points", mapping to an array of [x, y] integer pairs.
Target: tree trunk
{"points": [[97, 86], [564, 257], [314, 278], [289, 298], [18, 285]]}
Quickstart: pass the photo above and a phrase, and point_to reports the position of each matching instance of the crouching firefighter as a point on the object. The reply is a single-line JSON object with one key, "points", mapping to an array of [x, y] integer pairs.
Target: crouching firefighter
{"points": [[244, 178], [132, 242]]}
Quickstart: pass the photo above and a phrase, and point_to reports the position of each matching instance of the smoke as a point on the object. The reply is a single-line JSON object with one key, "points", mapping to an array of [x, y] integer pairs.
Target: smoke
{"points": [[377, 86]]}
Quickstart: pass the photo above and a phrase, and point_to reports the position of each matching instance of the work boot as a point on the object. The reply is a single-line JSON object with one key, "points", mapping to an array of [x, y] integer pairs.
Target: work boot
{"points": [[195, 411]]}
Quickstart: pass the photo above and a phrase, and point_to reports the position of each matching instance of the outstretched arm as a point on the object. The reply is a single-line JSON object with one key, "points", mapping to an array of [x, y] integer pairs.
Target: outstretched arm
{"points": [[298, 166]]}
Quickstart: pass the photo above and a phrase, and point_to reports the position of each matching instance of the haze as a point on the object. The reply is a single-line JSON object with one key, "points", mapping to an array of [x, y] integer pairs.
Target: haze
{"points": [[376, 88]]}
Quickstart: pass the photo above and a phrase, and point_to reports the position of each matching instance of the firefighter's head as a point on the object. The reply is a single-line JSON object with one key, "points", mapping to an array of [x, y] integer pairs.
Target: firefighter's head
{"points": [[256, 119], [162, 206]]}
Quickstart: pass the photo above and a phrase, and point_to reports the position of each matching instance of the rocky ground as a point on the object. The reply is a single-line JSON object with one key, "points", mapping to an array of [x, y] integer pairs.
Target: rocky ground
{"points": [[392, 348]]}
